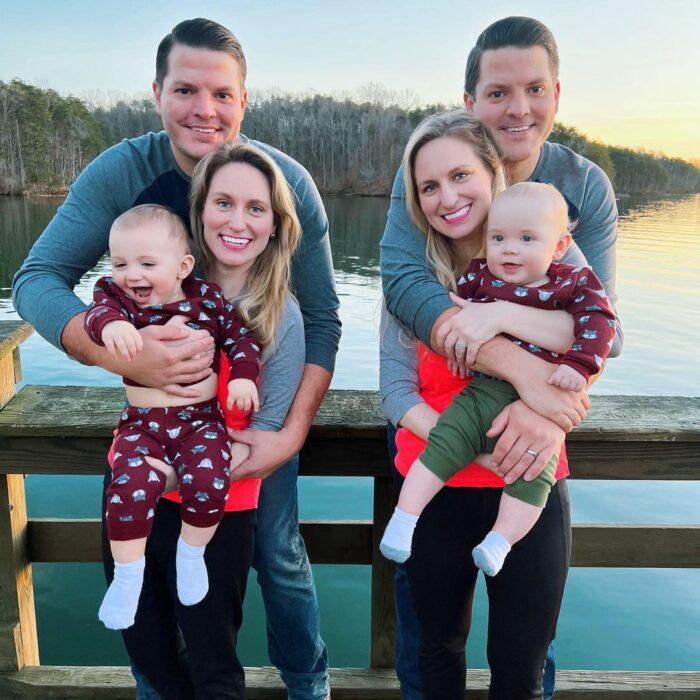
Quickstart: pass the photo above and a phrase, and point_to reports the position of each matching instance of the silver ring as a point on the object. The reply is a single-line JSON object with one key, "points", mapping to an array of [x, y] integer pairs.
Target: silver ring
{"points": [[459, 346], [532, 453]]}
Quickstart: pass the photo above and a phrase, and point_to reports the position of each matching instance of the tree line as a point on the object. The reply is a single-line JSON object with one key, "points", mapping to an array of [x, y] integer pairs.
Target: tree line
{"points": [[351, 146]]}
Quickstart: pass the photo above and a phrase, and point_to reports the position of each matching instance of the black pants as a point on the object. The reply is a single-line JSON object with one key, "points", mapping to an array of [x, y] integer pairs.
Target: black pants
{"points": [[210, 669], [524, 598]]}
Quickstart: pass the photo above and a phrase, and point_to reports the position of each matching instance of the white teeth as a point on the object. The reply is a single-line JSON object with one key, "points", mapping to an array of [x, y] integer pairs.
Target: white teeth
{"points": [[202, 130], [235, 241], [458, 213], [517, 129]]}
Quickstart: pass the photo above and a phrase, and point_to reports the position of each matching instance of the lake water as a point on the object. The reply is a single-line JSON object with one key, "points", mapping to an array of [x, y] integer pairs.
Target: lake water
{"points": [[612, 619]]}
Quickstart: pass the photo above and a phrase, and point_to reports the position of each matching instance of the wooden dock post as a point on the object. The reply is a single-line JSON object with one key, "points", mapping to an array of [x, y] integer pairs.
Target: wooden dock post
{"points": [[18, 638]]}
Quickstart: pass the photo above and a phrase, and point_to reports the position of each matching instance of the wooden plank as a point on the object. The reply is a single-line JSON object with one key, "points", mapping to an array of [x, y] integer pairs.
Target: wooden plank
{"points": [[356, 542], [12, 333], [639, 546], [50, 410], [102, 682], [19, 644], [383, 621]]}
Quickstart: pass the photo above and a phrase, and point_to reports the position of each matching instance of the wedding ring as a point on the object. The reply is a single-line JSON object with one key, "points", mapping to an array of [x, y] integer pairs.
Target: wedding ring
{"points": [[459, 346], [533, 453]]}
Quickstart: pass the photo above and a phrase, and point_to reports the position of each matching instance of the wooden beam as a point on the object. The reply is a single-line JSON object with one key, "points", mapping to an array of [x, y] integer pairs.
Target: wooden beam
{"points": [[356, 542], [115, 682]]}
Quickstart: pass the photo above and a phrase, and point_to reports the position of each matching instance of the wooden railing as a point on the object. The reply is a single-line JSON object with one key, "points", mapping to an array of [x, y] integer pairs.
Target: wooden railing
{"points": [[67, 430]]}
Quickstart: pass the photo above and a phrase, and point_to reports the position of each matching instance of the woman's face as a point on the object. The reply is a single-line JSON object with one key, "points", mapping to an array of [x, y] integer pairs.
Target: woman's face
{"points": [[238, 218], [454, 187]]}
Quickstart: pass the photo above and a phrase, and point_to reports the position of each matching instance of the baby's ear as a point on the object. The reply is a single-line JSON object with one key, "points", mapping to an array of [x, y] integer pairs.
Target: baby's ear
{"points": [[186, 266], [562, 246]]}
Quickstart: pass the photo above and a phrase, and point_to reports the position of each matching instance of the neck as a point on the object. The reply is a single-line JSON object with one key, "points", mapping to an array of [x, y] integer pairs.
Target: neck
{"points": [[519, 171], [230, 279]]}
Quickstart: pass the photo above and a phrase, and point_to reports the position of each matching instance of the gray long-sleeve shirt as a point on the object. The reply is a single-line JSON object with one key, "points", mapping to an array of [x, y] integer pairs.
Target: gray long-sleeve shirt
{"points": [[143, 170]]}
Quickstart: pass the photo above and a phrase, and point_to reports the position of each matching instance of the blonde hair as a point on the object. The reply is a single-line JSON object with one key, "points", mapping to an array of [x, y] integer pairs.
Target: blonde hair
{"points": [[548, 195], [145, 214], [268, 281], [460, 125]]}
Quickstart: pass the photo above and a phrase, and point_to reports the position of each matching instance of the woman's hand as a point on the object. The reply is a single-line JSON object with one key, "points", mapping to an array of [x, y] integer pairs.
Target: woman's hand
{"points": [[461, 336], [527, 442]]}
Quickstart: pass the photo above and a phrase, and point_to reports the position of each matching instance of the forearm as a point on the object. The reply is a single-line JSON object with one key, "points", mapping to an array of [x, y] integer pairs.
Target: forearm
{"points": [[502, 358], [420, 420], [312, 388], [553, 330], [76, 342]]}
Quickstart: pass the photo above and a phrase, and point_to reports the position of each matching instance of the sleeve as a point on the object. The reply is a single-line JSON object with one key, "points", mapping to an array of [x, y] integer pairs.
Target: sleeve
{"points": [[312, 276], [594, 325], [411, 290], [73, 242], [469, 283], [282, 367], [240, 345], [105, 309], [596, 235], [398, 369]]}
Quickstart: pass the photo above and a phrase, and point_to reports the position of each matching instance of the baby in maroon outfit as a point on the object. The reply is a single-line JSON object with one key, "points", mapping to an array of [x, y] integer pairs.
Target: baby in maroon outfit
{"points": [[151, 285]]}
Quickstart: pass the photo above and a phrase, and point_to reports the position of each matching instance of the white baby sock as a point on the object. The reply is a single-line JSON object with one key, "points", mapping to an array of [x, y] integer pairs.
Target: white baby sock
{"points": [[396, 543], [491, 553], [192, 578], [118, 608]]}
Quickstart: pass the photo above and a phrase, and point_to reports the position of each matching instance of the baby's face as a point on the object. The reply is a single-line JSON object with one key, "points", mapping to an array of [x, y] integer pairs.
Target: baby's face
{"points": [[522, 238], [147, 263]]}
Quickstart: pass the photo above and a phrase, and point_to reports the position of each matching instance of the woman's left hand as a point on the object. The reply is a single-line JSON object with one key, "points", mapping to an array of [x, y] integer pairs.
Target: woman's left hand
{"points": [[462, 335]]}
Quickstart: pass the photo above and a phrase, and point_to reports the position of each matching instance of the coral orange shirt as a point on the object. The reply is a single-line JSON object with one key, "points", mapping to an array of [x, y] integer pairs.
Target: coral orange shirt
{"points": [[437, 385]]}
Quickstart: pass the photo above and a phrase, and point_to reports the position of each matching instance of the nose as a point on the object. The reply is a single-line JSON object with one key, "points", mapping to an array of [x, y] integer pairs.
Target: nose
{"points": [[237, 219], [518, 105], [133, 274], [204, 105], [448, 196]]}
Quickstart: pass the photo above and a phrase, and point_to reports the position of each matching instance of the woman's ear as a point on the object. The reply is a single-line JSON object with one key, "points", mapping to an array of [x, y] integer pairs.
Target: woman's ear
{"points": [[186, 266]]}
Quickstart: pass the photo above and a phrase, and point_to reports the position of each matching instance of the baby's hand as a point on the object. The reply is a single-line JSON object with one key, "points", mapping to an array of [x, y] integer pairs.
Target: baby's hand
{"points": [[243, 394], [239, 454], [566, 377], [122, 338]]}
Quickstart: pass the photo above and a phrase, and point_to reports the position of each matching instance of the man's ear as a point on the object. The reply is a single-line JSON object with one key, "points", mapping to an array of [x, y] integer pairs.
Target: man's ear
{"points": [[156, 95], [469, 103], [562, 246], [186, 266]]}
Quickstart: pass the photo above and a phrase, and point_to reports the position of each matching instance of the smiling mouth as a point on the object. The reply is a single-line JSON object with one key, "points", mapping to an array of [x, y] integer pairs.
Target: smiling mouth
{"points": [[458, 215], [235, 241], [517, 129], [140, 294], [204, 129]]}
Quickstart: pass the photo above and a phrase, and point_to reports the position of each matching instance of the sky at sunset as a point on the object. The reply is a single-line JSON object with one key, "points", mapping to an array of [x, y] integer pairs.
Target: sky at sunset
{"points": [[630, 69]]}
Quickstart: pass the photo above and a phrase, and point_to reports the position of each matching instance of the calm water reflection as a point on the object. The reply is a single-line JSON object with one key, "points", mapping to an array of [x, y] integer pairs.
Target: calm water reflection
{"points": [[605, 622]]}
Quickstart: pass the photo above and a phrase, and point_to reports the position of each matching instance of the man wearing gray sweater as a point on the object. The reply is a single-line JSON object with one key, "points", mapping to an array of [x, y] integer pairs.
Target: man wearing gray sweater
{"points": [[200, 94], [512, 87]]}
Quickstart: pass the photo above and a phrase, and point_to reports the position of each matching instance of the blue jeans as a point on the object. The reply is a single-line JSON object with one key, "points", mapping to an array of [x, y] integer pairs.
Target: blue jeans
{"points": [[408, 634], [294, 639]]}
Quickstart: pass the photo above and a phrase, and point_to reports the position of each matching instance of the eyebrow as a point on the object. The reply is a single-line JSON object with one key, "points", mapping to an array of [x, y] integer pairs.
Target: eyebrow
{"points": [[499, 86]]}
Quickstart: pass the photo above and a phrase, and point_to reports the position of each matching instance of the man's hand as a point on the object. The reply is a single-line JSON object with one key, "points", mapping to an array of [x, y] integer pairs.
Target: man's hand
{"points": [[172, 355], [122, 340], [527, 442], [565, 408], [268, 451]]}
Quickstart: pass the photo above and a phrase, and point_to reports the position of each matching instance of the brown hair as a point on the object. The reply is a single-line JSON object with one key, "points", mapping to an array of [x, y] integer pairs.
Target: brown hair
{"points": [[198, 33], [518, 32], [144, 214]]}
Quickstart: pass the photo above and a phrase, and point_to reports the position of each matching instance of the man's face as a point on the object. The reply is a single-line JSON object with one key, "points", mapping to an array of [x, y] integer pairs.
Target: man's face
{"points": [[202, 102], [516, 98]]}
